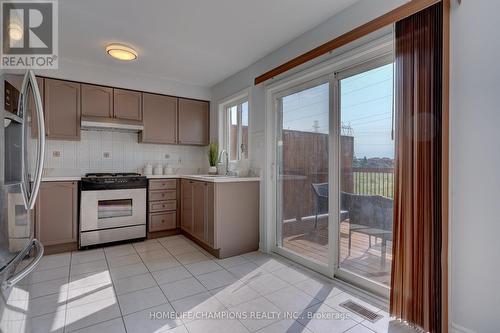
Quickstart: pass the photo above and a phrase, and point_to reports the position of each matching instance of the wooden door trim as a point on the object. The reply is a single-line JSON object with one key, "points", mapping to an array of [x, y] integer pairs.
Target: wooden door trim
{"points": [[391, 17]]}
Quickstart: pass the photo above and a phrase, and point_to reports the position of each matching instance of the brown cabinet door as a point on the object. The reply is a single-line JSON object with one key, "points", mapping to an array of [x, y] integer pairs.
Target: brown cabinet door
{"points": [[159, 118], [199, 190], [56, 213], [127, 104], [210, 215], [193, 122], [62, 109], [97, 101], [187, 205], [162, 221]]}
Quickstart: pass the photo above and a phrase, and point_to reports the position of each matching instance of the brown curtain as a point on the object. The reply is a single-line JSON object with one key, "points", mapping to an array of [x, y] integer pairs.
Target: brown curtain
{"points": [[416, 266]]}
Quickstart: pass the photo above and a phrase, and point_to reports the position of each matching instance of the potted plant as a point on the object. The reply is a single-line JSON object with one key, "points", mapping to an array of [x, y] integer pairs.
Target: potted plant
{"points": [[213, 155]]}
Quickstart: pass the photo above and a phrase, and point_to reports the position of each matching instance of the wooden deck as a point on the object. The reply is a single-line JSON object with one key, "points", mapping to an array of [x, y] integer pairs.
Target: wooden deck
{"points": [[302, 238]]}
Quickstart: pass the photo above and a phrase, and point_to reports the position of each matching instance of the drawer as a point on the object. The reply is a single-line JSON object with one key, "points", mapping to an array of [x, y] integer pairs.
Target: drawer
{"points": [[162, 195], [163, 184], [162, 221], [161, 206]]}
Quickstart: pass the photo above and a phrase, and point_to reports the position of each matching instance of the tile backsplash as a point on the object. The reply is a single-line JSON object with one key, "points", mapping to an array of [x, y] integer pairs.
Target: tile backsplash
{"points": [[104, 151]]}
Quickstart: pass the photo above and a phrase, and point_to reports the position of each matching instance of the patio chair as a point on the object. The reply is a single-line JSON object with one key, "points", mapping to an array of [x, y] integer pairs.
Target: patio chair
{"points": [[371, 215], [320, 191]]}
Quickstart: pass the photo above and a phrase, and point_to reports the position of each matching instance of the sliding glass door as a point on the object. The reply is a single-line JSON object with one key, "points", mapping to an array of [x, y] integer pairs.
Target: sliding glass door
{"points": [[366, 182], [335, 173], [302, 146]]}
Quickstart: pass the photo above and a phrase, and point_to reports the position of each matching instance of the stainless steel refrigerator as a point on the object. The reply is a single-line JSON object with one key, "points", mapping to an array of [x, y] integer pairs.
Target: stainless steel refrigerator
{"points": [[22, 146]]}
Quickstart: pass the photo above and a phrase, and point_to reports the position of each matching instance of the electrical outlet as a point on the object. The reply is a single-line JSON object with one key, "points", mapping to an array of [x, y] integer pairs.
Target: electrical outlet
{"points": [[167, 156], [56, 154], [106, 155]]}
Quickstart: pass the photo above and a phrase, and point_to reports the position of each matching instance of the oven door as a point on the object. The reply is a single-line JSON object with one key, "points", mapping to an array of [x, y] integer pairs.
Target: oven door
{"points": [[112, 209]]}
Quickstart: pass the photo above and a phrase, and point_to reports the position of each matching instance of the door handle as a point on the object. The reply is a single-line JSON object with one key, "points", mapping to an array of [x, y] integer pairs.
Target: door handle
{"points": [[30, 81], [28, 269]]}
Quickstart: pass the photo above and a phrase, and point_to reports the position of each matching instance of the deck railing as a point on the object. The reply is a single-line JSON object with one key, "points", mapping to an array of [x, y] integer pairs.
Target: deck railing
{"points": [[373, 181]]}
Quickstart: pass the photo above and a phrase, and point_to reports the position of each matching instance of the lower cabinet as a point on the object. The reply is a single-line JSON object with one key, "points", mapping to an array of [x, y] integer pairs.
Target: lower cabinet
{"points": [[162, 205], [198, 210], [56, 213]]}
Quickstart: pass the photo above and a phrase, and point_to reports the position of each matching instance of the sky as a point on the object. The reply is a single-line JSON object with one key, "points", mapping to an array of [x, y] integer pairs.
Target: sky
{"points": [[365, 105]]}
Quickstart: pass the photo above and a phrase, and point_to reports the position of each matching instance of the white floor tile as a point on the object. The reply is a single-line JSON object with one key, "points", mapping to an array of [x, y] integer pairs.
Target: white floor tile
{"points": [[49, 323], [192, 306], [216, 326], [45, 305], [152, 320], [124, 260], [110, 326], [247, 271], [291, 275], [46, 275], [235, 294], [256, 306], [158, 254], [91, 314], [119, 250], [80, 257], [126, 271], [159, 264], [181, 289], [318, 288], [285, 326], [171, 275], [89, 267], [190, 258], [89, 279], [147, 246], [266, 283], [57, 286], [381, 325], [232, 261], [90, 294], [54, 261], [360, 329], [203, 267], [291, 299], [216, 279], [134, 283], [140, 300]]}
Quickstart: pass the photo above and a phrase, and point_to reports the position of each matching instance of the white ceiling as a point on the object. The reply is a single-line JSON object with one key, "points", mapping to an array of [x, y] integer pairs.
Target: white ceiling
{"points": [[199, 42]]}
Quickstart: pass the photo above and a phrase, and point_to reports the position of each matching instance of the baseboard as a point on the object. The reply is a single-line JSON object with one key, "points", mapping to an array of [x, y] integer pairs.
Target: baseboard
{"points": [[165, 233], [455, 328], [60, 248]]}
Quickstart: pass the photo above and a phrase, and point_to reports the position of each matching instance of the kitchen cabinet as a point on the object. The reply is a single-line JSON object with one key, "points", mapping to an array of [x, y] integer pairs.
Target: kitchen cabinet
{"points": [[97, 101], [222, 217], [193, 122], [127, 104], [187, 205], [56, 212], [62, 109], [162, 204], [159, 118]]}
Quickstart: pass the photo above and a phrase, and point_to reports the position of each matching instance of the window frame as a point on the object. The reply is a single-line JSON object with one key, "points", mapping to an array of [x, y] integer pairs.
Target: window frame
{"points": [[224, 119]]}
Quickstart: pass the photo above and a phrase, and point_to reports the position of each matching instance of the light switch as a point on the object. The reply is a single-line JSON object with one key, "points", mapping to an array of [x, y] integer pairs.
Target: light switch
{"points": [[56, 154]]}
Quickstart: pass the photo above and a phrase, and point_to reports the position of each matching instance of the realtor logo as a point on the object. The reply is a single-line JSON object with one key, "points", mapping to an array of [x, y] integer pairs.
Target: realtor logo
{"points": [[29, 34]]}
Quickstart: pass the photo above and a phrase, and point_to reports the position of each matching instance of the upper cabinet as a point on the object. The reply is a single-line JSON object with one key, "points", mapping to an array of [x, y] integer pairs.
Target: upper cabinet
{"points": [[127, 104], [62, 109], [97, 101], [159, 118], [193, 122]]}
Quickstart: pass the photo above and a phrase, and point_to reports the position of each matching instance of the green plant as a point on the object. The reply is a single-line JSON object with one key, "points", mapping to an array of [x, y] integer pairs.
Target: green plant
{"points": [[213, 153]]}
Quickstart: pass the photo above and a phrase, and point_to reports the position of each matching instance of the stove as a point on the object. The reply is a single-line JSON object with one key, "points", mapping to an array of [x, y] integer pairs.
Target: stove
{"points": [[112, 208]]}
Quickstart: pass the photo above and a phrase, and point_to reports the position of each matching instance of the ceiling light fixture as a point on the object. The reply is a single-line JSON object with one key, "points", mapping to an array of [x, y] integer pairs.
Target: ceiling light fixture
{"points": [[121, 52]]}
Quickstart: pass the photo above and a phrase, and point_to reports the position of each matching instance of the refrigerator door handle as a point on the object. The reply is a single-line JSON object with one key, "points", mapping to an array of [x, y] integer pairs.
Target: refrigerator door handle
{"points": [[28, 269], [30, 81]]}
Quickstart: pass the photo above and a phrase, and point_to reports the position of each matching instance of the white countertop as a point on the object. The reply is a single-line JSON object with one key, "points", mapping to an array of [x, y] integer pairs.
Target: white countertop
{"points": [[205, 178]]}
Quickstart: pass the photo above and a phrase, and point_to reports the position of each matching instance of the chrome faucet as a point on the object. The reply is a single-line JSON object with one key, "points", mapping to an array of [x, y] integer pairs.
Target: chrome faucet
{"points": [[227, 160]]}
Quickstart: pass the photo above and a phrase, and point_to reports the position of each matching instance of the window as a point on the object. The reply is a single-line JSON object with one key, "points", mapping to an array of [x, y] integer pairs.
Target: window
{"points": [[236, 130]]}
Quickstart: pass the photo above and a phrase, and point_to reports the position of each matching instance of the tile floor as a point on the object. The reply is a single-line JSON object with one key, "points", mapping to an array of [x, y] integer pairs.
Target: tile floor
{"points": [[139, 287]]}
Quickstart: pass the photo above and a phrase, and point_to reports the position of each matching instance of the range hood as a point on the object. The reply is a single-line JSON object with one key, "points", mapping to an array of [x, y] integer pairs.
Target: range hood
{"points": [[111, 124]]}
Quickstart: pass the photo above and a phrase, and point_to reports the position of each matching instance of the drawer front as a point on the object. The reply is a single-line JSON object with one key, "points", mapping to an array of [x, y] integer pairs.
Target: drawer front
{"points": [[161, 206], [162, 195], [163, 184], [162, 221]]}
